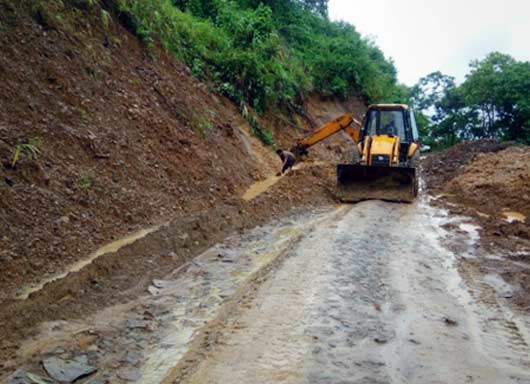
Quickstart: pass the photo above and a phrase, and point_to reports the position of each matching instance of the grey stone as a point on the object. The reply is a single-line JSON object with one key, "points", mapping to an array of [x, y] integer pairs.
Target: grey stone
{"points": [[66, 371], [137, 324], [153, 290], [130, 374], [131, 358], [163, 283]]}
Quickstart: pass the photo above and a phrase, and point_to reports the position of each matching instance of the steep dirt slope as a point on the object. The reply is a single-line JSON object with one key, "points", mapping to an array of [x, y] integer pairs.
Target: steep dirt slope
{"points": [[100, 137], [122, 141], [318, 111]]}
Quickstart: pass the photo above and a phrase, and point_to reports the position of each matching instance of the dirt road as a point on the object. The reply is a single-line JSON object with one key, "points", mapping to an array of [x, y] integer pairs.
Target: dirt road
{"points": [[370, 298], [368, 293]]}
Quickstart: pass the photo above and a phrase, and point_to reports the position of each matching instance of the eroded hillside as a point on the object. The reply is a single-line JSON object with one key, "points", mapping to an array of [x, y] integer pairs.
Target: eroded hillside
{"points": [[101, 137]]}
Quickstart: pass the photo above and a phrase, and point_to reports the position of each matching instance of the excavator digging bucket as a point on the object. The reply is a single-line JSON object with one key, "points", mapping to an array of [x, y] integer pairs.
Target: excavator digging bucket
{"points": [[360, 182]]}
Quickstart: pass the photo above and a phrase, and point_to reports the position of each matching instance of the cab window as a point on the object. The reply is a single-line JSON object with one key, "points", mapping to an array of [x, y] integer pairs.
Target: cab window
{"points": [[386, 123], [415, 135]]}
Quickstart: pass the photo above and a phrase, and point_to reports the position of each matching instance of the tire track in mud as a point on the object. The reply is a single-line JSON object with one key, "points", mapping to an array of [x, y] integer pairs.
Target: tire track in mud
{"points": [[384, 304], [153, 333], [504, 332], [351, 322], [362, 294]]}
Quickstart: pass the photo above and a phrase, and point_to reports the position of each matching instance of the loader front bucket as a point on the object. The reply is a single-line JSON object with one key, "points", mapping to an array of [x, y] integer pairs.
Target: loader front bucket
{"points": [[360, 182]]}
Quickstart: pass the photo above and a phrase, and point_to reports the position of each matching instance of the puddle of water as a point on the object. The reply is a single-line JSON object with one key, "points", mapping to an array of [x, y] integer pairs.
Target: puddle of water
{"points": [[500, 286], [511, 217], [472, 231], [508, 335], [76, 267], [258, 188], [262, 186]]}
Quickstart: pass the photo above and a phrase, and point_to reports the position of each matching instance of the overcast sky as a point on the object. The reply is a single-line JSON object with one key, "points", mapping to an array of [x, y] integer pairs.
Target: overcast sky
{"points": [[423, 36]]}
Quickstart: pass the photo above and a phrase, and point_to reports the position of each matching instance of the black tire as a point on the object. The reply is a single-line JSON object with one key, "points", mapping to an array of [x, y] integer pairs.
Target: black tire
{"points": [[415, 163]]}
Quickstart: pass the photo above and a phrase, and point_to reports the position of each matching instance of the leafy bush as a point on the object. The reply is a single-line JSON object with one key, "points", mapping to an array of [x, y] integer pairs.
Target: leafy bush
{"points": [[266, 53]]}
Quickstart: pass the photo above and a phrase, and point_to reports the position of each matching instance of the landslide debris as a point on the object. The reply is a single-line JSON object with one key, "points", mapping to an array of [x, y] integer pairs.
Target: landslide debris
{"points": [[111, 138], [487, 179], [490, 182], [497, 181], [439, 168]]}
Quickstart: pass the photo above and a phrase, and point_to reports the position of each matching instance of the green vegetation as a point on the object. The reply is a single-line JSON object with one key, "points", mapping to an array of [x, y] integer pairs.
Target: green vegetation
{"points": [[493, 102], [265, 53], [29, 150], [105, 19], [264, 134], [203, 127], [85, 182], [49, 14]]}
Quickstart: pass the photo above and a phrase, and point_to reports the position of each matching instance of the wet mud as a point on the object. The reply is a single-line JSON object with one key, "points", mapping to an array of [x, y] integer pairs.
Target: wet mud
{"points": [[373, 298], [371, 293], [112, 247]]}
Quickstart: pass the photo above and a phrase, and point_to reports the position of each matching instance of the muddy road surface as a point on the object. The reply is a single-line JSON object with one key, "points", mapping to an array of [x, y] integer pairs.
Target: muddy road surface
{"points": [[367, 293]]}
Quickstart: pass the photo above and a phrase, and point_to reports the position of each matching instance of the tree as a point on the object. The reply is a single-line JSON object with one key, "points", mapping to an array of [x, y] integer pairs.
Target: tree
{"points": [[317, 6], [493, 102], [429, 99], [499, 88], [454, 120], [430, 90]]}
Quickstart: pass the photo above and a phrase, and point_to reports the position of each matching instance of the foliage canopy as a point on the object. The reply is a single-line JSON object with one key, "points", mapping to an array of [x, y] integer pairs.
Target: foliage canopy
{"points": [[266, 53], [492, 102]]}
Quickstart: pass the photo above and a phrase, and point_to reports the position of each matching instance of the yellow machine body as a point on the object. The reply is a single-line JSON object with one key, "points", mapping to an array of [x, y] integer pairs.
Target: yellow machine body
{"points": [[387, 141]]}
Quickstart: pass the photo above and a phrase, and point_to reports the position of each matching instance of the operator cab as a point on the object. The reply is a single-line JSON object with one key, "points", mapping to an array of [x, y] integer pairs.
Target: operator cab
{"points": [[391, 120]]}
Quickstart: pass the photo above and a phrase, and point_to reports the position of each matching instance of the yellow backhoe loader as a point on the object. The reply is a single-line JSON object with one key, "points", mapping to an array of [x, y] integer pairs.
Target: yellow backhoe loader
{"points": [[386, 158]]}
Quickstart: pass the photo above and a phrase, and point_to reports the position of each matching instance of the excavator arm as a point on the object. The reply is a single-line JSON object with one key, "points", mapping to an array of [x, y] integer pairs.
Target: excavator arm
{"points": [[383, 171], [342, 123]]}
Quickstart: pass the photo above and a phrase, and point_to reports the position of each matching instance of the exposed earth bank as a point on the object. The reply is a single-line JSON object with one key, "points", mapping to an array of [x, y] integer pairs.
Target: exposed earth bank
{"points": [[490, 182], [100, 139]]}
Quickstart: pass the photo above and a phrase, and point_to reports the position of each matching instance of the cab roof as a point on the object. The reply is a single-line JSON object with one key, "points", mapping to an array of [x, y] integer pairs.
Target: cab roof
{"points": [[388, 107]]}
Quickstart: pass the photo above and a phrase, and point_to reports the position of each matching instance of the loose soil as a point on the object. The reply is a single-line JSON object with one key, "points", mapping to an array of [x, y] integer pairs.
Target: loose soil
{"points": [[490, 182], [121, 139]]}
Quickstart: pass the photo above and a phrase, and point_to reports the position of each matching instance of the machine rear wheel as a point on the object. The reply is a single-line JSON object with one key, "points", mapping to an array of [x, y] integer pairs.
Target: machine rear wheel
{"points": [[415, 163]]}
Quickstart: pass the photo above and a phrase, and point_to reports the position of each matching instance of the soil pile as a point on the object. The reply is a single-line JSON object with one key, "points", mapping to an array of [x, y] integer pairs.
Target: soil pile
{"points": [[497, 181], [490, 182], [441, 167], [487, 180]]}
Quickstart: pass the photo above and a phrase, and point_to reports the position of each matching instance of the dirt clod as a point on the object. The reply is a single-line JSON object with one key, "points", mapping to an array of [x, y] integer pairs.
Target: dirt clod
{"points": [[450, 322]]}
